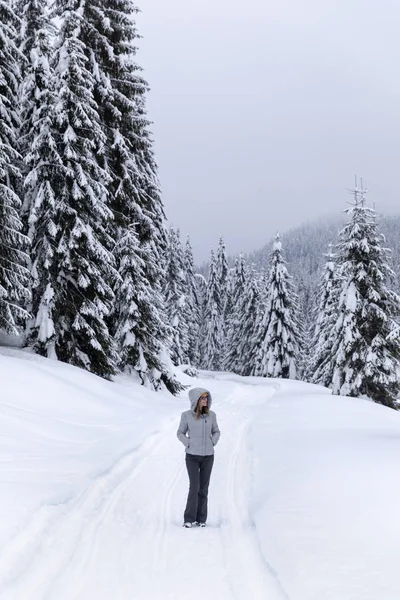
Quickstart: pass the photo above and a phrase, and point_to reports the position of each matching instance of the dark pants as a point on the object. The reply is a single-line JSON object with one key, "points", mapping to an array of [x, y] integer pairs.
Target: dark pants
{"points": [[199, 471]]}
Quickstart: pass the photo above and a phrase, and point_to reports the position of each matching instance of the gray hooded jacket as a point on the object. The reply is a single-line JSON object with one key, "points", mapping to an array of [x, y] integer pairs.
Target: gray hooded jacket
{"points": [[199, 436]]}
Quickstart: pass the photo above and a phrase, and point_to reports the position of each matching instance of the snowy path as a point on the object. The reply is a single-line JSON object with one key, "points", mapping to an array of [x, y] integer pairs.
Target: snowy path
{"points": [[123, 538], [303, 496]]}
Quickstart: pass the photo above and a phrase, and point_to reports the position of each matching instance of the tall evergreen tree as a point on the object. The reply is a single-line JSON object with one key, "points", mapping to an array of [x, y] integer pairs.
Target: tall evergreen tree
{"points": [[247, 326], [210, 351], [110, 32], [365, 345], [76, 284], [222, 277], [222, 266], [41, 164], [228, 302], [320, 368], [14, 276], [175, 293], [232, 360], [227, 316], [194, 306], [261, 324], [134, 193], [280, 345], [201, 291], [37, 99], [139, 323], [306, 306]]}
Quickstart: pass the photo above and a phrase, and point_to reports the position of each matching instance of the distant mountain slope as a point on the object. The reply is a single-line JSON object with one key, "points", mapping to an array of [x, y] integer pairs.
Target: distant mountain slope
{"points": [[304, 247]]}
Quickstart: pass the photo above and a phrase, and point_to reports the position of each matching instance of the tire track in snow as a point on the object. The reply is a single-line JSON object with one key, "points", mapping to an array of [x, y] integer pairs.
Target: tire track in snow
{"points": [[251, 577], [160, 563], [37, 565], [137, 511]]}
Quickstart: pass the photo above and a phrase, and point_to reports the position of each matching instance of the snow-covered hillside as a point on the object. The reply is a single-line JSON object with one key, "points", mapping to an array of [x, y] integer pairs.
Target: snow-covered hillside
{"points": [[303, 497]]}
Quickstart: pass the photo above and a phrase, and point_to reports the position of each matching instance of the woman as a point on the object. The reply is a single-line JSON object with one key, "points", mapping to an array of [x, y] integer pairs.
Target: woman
{"points": [[198, 431]]}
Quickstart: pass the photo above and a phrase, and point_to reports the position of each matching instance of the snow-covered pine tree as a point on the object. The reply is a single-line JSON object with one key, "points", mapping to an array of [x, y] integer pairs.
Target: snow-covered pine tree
{"points": [[78, 279], [263, 321], [306, 305], [138, 322], [134, 193], [110, 32], [232, 360], [41, 161], [222, 266], [210, 338], [201, 291], [222, 277], [365, 345], [175, 294], [193, 306], [36, 97], [14, 276], [247, 325], [261, 324], [320, 367], [228, 300], [227, 313], [281, 340]]}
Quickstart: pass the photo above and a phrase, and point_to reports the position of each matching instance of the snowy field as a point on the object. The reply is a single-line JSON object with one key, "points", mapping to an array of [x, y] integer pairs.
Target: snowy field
{"points": [[303, 498]]}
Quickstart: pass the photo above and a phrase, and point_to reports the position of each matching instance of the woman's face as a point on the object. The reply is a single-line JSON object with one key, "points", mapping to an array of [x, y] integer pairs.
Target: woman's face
{"points": [[203, 400]]}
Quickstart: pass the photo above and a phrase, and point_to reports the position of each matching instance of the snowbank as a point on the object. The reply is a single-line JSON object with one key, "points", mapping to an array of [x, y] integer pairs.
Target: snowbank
{"points": [[62, 427], [326, 488]]}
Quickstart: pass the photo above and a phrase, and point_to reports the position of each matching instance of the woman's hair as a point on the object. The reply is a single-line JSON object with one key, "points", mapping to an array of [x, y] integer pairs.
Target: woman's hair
{"points": [[200, 410]]}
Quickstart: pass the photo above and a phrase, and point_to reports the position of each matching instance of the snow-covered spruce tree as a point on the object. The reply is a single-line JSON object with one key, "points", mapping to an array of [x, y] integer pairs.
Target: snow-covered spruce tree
{"points": [[320, 367], [365, 345], [193, 306], [134, 193], [222, 268], [32, 17], [232, 360], [260, 337], [79, 277], [306, 312], [14, 276], [260, 325], [41, 163], [175, 294], [201, 291], [36, 97], [281, 341], [227, 308], [119, 91], [138, 322], [210, 338], [110, 32], [221, 279], [247, 325]]}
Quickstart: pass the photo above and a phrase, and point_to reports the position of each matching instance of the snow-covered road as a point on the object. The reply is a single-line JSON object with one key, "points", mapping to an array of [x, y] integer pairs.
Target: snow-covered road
{"points": [[124, 539]]}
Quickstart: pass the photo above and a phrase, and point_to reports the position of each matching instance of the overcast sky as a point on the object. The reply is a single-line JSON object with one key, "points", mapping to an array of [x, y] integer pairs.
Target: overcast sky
{"points": [[264, 111]]}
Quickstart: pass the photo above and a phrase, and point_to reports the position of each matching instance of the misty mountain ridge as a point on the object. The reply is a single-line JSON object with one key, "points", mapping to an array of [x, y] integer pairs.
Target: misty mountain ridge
{"points": [[305, 247]]}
